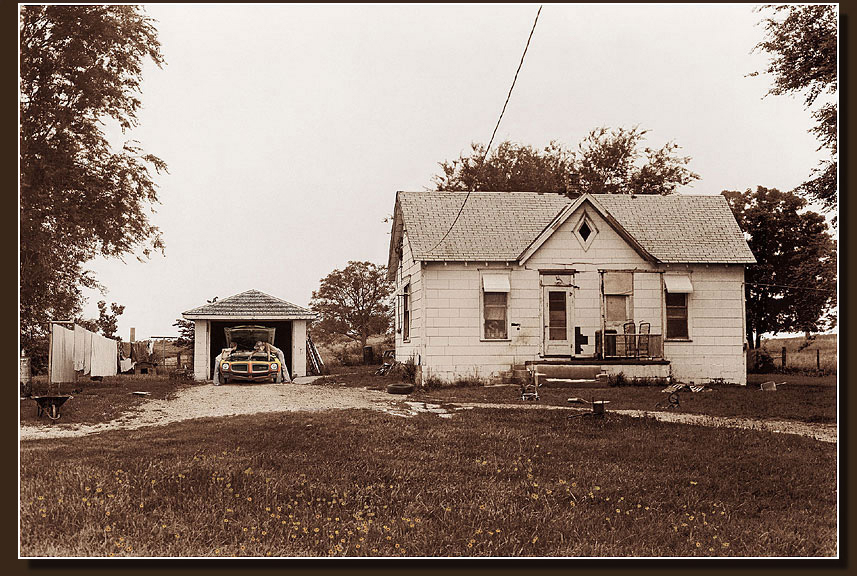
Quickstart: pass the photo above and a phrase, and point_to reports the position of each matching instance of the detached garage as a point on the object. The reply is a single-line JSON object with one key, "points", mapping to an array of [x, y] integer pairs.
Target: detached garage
{"points": [[250, 307]]}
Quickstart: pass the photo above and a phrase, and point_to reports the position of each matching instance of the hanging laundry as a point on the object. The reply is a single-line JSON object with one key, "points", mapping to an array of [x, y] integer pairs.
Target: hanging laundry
{"points": [[104, 356], [87, 353], [62, 354], [79, 346]]}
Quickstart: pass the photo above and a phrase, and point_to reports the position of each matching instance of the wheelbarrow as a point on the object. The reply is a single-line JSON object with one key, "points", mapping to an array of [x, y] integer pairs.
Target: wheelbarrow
{"points": [[50, 405]]}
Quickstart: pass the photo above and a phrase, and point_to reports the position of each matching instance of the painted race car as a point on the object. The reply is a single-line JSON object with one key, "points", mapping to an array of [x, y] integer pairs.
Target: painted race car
{"points": [[244, 363]]}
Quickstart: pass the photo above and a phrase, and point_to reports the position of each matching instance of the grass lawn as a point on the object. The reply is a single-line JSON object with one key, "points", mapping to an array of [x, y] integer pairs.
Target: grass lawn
{"points": [[95, 402], [485, 482], [804, 398], [357, 377]]}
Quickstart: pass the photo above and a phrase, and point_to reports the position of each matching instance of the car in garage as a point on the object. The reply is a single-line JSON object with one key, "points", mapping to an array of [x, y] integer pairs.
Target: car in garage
{"points": [[241, 361]]}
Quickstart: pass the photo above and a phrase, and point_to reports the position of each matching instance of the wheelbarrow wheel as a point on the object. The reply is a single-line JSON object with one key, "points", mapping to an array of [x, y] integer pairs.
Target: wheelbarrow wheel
{"points": [[53, 412]]}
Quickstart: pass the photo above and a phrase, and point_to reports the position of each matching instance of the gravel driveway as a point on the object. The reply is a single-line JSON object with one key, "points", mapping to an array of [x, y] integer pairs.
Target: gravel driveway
{"points": [[206, 400]]}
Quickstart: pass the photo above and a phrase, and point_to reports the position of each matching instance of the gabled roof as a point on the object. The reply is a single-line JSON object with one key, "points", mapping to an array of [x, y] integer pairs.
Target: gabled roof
{"points": [[250, 305], [493, 225], [681, 227], [501, 226]]}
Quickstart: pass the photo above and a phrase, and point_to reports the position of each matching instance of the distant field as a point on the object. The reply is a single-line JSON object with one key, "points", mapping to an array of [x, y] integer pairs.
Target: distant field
{"points": [[803, 359]]}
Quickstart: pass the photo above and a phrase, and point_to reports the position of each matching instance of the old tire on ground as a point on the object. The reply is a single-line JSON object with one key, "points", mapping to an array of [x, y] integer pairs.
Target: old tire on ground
{"points": [[400, 388]]}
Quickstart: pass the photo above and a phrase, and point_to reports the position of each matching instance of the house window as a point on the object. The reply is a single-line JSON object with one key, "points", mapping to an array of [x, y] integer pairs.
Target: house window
{"points": [[618, 291], [406, 313], [495, 306], [495, 315], [677, 287], [677, 316]]}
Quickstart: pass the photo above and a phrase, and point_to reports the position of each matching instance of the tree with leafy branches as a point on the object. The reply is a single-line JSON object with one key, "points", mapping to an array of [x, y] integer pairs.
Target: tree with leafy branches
{"points": [[80, 196], [801, 40], [605, 162], [353, 302], [792, 286], [107, 322]]}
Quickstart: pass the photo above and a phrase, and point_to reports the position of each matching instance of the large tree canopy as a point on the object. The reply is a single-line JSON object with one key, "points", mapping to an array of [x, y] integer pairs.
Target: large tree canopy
{"points": [[802, 42], [353, 302], [605, 162], [80, 197], [792, 287]]}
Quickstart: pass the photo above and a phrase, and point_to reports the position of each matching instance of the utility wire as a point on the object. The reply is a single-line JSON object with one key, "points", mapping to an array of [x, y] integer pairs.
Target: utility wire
{"points": [[786, 286], [493, 134]]}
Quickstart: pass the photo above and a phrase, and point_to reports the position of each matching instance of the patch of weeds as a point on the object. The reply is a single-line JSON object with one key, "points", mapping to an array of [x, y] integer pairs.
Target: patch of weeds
{"points": [[618, 380], [468, 382], [406, 370], [432, 382]]}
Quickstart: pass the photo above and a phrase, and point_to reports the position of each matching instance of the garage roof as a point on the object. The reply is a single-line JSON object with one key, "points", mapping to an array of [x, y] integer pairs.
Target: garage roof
{"points": [[250, 305]]}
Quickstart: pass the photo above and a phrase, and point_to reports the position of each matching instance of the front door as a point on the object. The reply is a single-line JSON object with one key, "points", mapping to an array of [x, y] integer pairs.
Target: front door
{"points": [[558, 319]]}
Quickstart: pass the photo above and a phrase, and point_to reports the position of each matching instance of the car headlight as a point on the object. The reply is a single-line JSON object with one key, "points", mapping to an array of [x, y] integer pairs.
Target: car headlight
{"points": [[274, 366], [224, 366]]}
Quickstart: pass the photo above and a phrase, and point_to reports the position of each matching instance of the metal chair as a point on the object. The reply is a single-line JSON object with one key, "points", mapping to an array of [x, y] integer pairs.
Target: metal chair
{"points": [[643, 340], [629, 330]]}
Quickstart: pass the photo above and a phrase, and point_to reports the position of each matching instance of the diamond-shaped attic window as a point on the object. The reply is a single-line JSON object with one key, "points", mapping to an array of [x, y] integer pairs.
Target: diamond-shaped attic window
{"points": [[585, 232]]}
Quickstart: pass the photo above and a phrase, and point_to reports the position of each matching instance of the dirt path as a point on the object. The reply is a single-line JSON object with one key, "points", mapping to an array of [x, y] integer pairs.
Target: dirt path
{"points": [[205, 401]]}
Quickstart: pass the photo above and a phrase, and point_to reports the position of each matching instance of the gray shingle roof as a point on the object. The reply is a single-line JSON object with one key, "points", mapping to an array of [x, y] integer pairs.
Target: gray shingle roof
{"points": [[681, 228], [251, 305], [493, 225], [499, 226]]}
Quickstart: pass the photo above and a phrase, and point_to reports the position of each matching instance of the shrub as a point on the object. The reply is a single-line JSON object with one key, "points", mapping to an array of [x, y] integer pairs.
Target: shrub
{"points": [[763, 363], [614, 380], [432, 382], [408, 370]]}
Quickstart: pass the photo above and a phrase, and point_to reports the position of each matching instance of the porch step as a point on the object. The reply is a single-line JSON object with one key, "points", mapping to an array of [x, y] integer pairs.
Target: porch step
{"points": [[569, 371], [571, 376]]}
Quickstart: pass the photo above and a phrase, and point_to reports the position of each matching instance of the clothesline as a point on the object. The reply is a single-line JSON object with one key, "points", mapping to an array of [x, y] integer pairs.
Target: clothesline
{"points": [[76, 350]]}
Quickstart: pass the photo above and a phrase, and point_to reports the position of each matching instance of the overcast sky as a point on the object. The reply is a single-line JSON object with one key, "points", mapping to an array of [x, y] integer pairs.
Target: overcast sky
{"points": [[289, 129]]}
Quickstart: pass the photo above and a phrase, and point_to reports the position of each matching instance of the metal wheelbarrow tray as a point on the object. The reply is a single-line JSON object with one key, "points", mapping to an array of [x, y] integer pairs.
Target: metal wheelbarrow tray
{"points": [[50, 405]]}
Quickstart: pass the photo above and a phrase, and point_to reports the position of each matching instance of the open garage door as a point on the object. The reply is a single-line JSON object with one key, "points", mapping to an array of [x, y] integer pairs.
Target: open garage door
{"points": [[282, 338]]}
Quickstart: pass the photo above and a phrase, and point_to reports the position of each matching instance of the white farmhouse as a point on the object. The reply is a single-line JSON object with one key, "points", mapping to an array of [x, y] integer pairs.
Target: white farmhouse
{"points": [[650, 286], [249, 308]]}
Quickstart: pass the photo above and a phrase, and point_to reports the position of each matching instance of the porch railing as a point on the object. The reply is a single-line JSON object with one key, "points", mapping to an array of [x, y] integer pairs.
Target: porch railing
{"points": [[616, 345]]}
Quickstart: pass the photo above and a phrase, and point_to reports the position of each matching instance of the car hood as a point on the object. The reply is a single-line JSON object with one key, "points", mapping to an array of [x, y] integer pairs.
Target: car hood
{"points": [[245, 337]]}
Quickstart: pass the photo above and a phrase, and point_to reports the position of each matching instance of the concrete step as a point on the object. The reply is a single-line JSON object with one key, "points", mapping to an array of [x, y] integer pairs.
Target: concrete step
{"points": [[570, 371], [570, 383]]}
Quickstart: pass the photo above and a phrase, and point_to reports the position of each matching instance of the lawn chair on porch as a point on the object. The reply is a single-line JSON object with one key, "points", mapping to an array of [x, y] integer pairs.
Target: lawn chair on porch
{"points": [[643, 340], [629, 330]]}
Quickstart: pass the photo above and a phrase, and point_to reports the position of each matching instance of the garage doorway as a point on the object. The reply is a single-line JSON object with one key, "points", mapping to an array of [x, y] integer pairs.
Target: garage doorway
{"points": [[282, 338]]}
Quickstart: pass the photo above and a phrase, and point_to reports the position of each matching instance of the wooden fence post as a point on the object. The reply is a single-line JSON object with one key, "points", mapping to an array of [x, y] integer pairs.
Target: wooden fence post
{"points": [[784, 357]]}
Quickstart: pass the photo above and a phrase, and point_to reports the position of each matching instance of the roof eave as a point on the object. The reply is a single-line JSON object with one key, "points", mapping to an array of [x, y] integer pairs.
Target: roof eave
{"points": [[251, 317], [395, 234]]}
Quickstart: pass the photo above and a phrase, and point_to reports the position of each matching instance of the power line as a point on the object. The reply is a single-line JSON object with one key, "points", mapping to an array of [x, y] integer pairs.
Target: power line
{"points": [[787, 286], [496, 126]]}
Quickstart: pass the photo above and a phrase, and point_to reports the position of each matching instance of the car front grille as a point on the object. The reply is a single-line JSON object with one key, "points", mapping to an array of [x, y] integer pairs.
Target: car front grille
{"points": [[241, 367], [260, 367]]}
